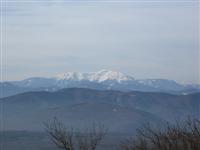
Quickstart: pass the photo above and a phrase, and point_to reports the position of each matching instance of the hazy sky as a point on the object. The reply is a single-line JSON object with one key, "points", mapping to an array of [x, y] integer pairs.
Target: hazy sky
{"points": [[145, 40]]}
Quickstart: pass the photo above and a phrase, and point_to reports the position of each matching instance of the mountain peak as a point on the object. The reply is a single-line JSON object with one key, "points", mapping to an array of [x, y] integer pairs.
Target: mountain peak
{"points": [[100, 76], [104, 75]]}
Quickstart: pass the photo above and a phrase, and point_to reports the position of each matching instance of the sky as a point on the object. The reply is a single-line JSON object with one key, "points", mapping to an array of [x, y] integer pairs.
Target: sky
{"points": [[149, 39]]}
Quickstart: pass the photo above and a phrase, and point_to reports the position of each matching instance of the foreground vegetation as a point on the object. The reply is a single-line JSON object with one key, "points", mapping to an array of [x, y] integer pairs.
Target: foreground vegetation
{"points": [[179, 136], [70, 139]]}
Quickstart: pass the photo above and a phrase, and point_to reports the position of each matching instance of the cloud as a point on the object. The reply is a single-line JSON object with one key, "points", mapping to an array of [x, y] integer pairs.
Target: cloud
{"points": [[147, 42]]}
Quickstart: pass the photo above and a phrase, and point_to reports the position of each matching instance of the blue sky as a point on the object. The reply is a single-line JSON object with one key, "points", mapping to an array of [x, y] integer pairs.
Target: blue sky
{"points": [[145, 40]]}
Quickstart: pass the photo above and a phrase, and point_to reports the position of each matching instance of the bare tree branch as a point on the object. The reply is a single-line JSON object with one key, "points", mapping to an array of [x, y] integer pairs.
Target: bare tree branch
{"points": [[181, 136], [67, 139]]}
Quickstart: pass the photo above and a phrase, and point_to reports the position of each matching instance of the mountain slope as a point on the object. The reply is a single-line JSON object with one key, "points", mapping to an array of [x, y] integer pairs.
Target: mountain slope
{"points": [[125, 110], [102, 80]]}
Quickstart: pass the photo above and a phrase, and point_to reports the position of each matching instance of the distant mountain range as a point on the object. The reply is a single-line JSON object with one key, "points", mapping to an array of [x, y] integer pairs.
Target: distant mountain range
{"points": [[102, 80], [119, 111]]}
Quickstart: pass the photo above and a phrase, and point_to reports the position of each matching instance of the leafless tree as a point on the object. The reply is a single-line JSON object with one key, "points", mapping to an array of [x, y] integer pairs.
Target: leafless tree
{"points": [[60, 135], [69, 139], [92, 138], [181, 136]]}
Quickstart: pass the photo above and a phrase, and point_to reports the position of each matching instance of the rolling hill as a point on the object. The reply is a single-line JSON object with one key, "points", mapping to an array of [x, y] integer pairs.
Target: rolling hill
{"points": [[120, 111]]}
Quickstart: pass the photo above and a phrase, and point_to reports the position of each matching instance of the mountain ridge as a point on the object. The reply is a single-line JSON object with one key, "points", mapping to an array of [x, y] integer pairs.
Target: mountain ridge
{"points": [[101, 80]]}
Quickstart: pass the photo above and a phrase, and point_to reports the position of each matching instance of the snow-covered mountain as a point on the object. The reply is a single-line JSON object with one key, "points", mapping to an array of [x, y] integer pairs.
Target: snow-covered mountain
{"points": [[101, 80], [106, 79], [100, 76]]}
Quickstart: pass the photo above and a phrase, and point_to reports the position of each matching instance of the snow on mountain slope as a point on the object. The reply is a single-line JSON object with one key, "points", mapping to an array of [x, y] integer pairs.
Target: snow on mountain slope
{"points": [[101, 80], [35, 82], [161, 84], [104, 75], [101, 76]]}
